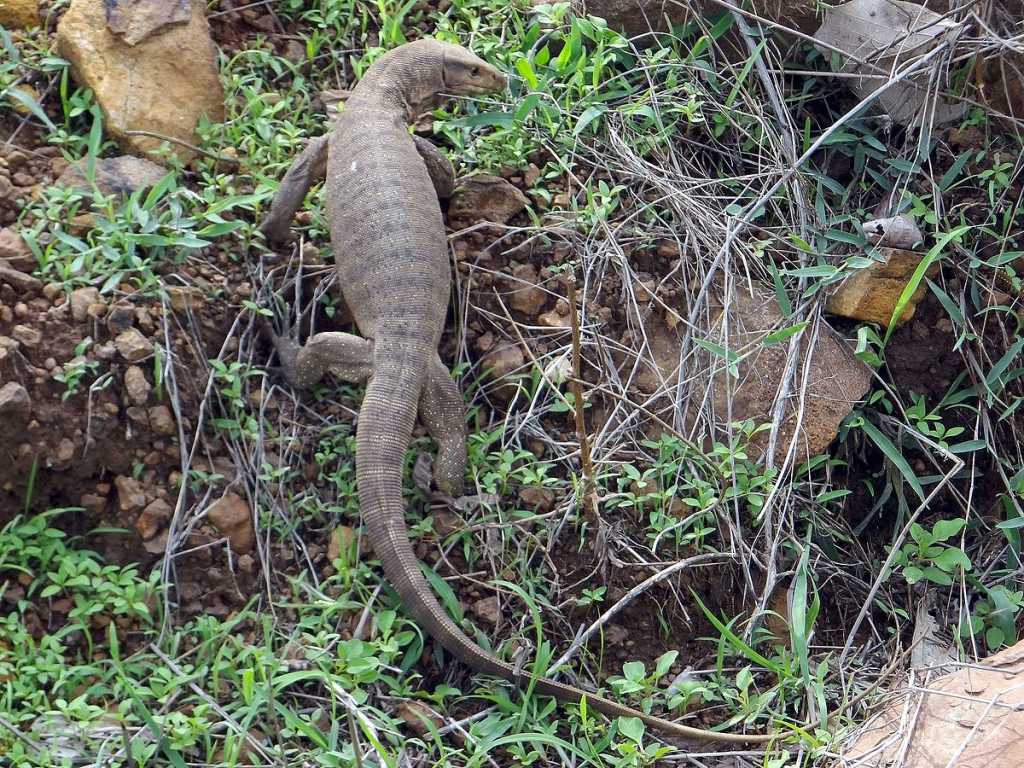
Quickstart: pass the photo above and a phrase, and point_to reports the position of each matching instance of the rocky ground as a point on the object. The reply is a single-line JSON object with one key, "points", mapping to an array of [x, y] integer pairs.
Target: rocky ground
{"points": [[140, 406]]}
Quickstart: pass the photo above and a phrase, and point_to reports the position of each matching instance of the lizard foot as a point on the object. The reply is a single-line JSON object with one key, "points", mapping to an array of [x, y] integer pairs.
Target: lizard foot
{"points": [[287, 353]]}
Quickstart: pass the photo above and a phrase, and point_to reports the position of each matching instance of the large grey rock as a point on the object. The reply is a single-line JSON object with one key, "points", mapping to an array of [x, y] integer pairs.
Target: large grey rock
{"points": [[836, 379], [114, 175]]}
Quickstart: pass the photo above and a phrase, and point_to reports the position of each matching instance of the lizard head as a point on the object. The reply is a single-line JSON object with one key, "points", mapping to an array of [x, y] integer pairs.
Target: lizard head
{"points": [[421, 73], [464, 73]]}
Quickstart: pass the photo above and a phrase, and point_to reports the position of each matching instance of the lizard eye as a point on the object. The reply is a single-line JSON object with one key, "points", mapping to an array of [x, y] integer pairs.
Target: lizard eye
{"points": [[475, 71]]}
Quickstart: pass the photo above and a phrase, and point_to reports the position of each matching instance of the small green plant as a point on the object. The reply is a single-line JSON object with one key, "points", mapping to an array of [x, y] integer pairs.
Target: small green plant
{"points": [[994, 617], [635, 679], [236, 419], [929, 423], [75, 369], [929, 557]]}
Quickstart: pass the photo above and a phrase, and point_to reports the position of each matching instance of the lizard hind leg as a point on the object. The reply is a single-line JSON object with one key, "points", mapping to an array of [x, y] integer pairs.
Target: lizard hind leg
{"points": [[444, 415], [348, 357]]}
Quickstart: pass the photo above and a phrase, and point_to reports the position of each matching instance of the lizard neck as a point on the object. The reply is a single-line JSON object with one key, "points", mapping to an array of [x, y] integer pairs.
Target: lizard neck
{"points": [[402, 84]]}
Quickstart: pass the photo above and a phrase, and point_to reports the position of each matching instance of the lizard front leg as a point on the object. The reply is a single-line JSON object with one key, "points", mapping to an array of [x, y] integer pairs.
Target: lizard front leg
{"points": [[308, 168], [444, 415], [348, 357], [442, 174]]}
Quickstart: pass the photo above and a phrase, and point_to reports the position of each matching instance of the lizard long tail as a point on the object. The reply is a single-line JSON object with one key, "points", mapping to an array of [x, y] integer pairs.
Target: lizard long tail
{"points": [[386, 420]]}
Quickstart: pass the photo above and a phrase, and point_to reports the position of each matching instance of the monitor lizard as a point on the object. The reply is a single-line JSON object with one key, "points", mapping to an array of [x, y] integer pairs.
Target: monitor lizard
{"points": [[388, 235]]}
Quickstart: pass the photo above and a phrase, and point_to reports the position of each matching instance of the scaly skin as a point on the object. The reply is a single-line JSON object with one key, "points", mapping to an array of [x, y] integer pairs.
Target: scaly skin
{"points": [[389, 241]]}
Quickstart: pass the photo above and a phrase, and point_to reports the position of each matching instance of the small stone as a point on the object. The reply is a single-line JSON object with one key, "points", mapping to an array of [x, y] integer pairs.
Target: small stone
{"points": [[137, 415], [487, 610], [485, 342], [419, 717], [135, 20], [295, 51], [483, 197], [80, 301], [184, 299], [65, 451], [152, 519], [133, 346], [537, 498], [93, 503], [96, 311], [27, 335], [342, 539], [137, 386], [504, 360], [21, 310], [131, 497], [120, 318], [106, 352], [553, 319], [532, 175], [644, 290], [52, 290], [15, 251], [157, 545], [23, 180], [114, 175], [615, 635], [526, 297], [20, 281], [161, 421], [14, 401], [872, 294], [231, 516]]}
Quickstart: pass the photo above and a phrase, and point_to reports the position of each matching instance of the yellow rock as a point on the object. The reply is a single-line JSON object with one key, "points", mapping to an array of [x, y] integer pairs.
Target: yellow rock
{"points": [[162, 85], [871, 294], [17, 14]]}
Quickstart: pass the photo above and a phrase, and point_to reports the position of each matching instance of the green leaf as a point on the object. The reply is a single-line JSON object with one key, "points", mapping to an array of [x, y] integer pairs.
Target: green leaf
{"points": [[443, 592], [920, 535], [1011, 524], [937, 576], [634, 670], [798, 625], [664, 663], [904, 166], [632, 728], [590, 114], [32, 106], [951, 559], [913, 574], [994, 638], [992, 381], [893, 454], [525, 68], [745, 72], [954, 170], [784, 333], [919, 273], [945, 529], [785, 305], [822, 270]]}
